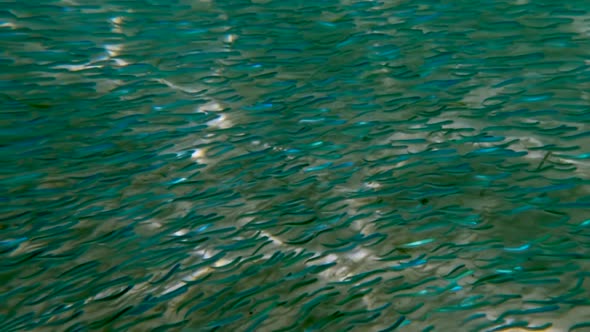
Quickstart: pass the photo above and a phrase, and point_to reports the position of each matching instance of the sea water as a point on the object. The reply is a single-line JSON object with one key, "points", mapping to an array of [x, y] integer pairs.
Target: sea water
{"points": [[295, 165]]}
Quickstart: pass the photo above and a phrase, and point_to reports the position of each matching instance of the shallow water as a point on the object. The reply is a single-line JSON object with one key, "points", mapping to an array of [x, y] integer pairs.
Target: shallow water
{"points": [[295, 165]]}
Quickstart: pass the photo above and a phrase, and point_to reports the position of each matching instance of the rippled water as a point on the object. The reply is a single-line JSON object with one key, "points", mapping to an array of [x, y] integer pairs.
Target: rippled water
{"points": [[273, 165]]}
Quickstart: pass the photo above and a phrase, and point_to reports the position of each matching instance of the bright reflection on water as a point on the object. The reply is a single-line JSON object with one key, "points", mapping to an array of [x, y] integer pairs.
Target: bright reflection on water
{"points": [[266, 165]]}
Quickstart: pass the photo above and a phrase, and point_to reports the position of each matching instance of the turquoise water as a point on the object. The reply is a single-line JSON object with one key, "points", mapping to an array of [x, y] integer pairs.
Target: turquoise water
{"points": [[330, 165]]}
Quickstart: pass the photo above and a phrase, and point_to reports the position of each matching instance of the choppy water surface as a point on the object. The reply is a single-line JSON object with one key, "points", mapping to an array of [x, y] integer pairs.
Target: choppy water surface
{"points": [[273, 165]]}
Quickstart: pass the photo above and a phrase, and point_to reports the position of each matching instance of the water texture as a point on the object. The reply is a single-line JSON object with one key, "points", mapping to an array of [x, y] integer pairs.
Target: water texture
{"points": [[273, 165]]}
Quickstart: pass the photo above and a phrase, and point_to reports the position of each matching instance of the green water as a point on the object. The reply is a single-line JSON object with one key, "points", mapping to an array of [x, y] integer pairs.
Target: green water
{"points": [[294, 165]]}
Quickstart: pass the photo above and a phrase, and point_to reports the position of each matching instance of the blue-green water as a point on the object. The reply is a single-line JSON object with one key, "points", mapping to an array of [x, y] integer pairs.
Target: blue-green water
{"points": [[330, 165]]}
